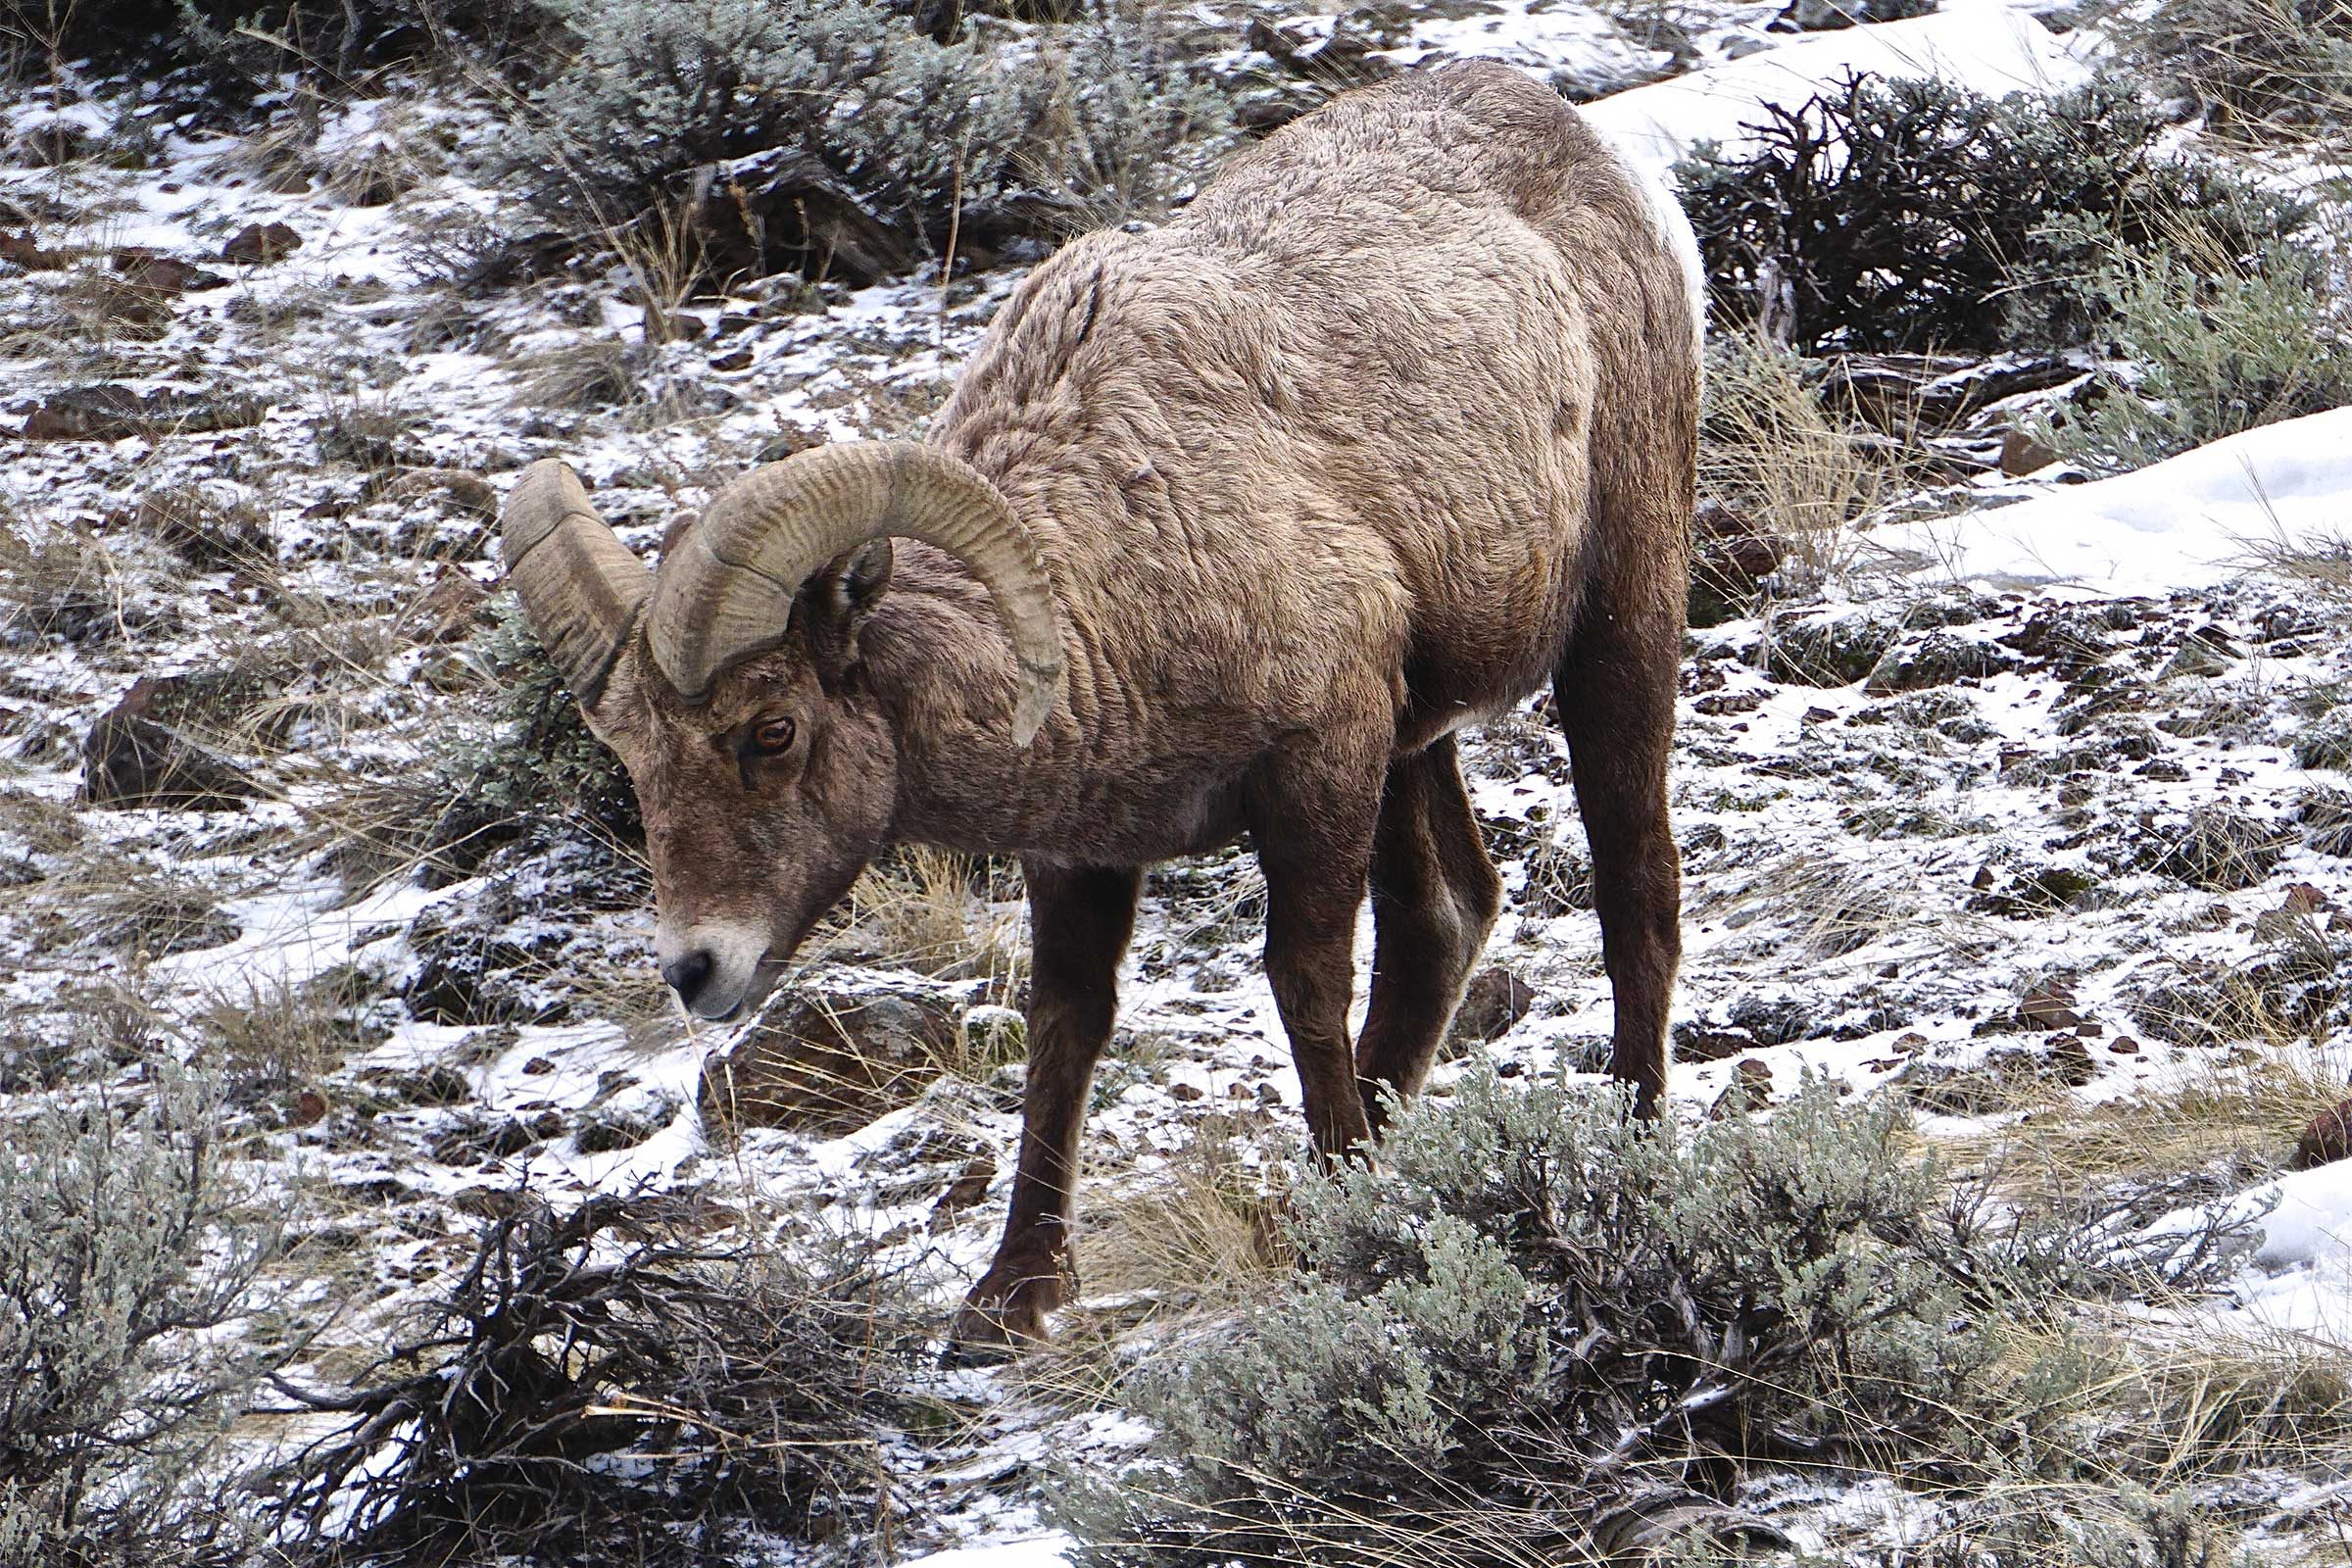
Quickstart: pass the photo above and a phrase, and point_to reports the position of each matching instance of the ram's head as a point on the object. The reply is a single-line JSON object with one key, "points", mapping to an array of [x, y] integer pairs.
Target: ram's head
{"points": [[732, 687]]}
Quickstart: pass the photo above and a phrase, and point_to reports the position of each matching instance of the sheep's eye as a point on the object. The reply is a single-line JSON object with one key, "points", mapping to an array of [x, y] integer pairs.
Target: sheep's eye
{"points": [[774, 737]]}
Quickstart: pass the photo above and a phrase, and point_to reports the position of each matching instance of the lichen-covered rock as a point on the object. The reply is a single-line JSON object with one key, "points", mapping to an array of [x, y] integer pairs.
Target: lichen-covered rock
{"points": [[1938, 659], [1832, 649]]}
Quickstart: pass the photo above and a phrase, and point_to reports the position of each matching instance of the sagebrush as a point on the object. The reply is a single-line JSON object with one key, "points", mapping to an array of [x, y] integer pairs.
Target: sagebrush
{"points": [[2217, 344], [827, 136], [1916, 214], [1538, 1305], [130, 1258]]}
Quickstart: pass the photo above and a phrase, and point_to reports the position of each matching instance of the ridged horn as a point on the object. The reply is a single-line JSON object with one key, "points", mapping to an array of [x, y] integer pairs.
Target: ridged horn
{"points": [[581, 588], [726, 589]]}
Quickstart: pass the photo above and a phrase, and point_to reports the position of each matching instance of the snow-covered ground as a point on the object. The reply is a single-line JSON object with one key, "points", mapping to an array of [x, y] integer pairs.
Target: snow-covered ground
{"points": [[1993, 821]]}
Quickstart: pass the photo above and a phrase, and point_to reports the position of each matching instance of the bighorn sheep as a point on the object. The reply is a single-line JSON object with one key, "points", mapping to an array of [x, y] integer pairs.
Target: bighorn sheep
{"points": [[1228, 527]]}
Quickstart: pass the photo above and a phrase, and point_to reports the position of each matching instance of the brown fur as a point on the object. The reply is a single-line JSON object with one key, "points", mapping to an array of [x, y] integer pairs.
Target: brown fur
{"points": [[1395, 424]]}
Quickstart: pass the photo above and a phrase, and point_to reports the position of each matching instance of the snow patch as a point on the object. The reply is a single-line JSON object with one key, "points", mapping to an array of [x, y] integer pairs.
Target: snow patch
{"points": [[1988, 45], [2187, 523]]}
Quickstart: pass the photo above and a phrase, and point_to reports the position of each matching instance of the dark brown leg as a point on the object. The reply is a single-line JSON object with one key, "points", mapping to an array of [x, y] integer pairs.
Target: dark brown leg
{"points": [[1312, 820], [1080, 919], [1435, 894], [1616, 692]]}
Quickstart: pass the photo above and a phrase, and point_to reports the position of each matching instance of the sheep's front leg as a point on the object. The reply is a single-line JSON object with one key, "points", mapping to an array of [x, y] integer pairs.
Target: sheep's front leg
{"points": [[1312, 821], [1080, 919]]}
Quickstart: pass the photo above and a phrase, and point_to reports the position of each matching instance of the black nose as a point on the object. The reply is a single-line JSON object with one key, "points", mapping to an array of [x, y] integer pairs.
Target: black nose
{"points": [[688, 975]]}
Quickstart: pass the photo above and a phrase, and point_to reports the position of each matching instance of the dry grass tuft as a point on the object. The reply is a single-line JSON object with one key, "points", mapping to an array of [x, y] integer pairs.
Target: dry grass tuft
{"points": [[1779, 455], [588, 371], [1204, 1234], [943, 914], [2238, 1113]]}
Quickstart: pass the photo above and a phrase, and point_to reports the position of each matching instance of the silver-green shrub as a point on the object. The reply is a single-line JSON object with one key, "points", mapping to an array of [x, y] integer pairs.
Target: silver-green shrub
{"points": [[127, 1258], [1081, 121], [1535, 1302], [2218, 344]]}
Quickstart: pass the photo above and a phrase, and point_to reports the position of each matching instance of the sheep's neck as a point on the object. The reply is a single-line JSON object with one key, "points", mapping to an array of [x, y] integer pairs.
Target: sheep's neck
{"points": [[938, 660]]}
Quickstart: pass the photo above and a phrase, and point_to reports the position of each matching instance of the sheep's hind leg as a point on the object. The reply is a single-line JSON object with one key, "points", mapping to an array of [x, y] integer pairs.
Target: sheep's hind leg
{"points": [[1080, 920], [1312, 818], [1435, 894], [1615, 692]]}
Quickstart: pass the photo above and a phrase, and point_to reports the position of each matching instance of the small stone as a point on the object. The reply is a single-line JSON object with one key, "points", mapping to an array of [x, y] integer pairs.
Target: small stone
{"points": [[452, 606], [2326, 1139], [538, 1066], [968, 1189], [1187, 1092], [1495, 1000], [130, 759], [1750, 1087], [2022, 454], [259, 244], [2123, 1045], [2048, 1005], [2073, 1061], [166, 276], [310, 1108], [2304, 899]]}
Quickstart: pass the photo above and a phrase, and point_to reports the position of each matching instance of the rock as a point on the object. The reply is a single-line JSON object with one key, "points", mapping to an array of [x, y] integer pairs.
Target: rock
{"points": [[2071, 1062], [1186, 1093], [109, 413], [1750, 1087], [2326, 1138], [131, 760], [1936, 659], [452, 606], [2303, 899], [968, 1189], [485, 963], [1731, 559], [2022, 454], [605, 1129], [26, 252], [1697, 1042], [309, 1109], [465, 489], [828, 1065], [1495, 1000], [2048, 1005], [259, 244], [165, 276]]}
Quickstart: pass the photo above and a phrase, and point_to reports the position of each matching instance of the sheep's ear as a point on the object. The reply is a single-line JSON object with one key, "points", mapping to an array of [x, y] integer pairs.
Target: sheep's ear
{"points": [[835, 602]]}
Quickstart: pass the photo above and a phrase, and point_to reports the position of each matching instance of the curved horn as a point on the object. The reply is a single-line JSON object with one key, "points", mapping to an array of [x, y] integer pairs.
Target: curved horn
{"points": [[727, 590], [581, 588]]}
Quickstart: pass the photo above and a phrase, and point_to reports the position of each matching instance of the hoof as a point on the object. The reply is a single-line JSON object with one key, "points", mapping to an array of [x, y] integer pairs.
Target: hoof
{"points": [[1001, 1319]]}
